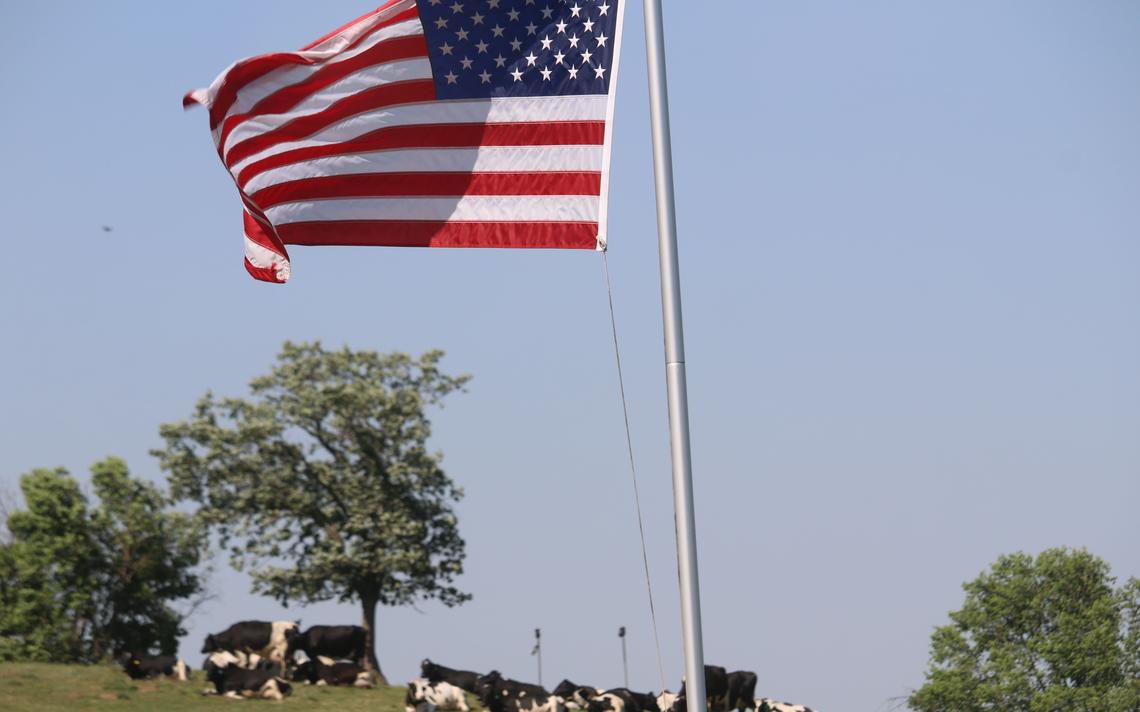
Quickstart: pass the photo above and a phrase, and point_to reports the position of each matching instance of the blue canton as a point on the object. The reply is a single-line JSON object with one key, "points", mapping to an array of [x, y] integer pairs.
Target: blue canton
{"points": [[487, 48]]}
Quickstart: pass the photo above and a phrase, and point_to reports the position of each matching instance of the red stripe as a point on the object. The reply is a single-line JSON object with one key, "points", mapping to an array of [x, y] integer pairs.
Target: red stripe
{"points": [[378, 185], [361, 101], [546, 133], [533, 235], [257, 67]]}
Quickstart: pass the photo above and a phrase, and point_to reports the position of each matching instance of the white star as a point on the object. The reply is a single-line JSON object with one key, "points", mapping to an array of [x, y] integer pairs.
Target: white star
{"points": [[492, 4], [477, 19], [500, 61], [516, 45], [559, 57], [546, 42], [573, 40], [461, 33], [457, 7], [451, 77], [575, 9], [600, 71], [497, 31], [514, 15], [530, 59], [561, 27], [573, 72], [482, 47], [589, 25], [517, 75], [466, 62], [603, 9], [485, 77], [547, 12], [445, 48], [440, 23], [531, 28], [601, 40], [586, 54], [546, 74]]}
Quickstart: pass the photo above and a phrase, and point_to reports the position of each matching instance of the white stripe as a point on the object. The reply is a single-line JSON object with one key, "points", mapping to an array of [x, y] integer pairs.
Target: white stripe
{"points": [[498, 110], [265, 258], [374, 76], [488, 159], [603, 220], [249, 95], [481, 208]]}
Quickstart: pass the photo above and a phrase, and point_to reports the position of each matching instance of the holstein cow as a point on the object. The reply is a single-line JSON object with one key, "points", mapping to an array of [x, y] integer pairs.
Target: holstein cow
{"points": [[316, 671], [766, 705], [236, 682], [741, 690], [716, 689], [576, 696], [666, 700], [269, 640], [142, 667], [463, 679], [499, 694], [423, 696], [338, 642]]}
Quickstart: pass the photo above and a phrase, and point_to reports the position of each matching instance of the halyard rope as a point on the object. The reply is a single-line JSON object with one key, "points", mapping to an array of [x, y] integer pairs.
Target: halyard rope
{"points": [[633, 469]]}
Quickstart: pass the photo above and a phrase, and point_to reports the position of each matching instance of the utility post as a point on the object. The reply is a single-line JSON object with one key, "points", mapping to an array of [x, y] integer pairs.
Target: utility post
{"points": [[624, 662], [537, 650]]}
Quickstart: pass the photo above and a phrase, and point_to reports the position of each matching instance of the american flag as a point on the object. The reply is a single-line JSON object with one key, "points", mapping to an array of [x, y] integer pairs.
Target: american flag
{"points": [[474, 123]]}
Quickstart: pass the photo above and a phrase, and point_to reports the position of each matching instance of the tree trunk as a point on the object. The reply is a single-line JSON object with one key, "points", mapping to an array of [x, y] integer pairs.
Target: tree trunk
{"points": [[371, 663]]}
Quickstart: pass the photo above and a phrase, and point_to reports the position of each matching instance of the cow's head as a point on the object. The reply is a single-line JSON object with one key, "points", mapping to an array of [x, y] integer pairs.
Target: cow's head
{"points": [[487, 687], [210, 645], [565, 689]]}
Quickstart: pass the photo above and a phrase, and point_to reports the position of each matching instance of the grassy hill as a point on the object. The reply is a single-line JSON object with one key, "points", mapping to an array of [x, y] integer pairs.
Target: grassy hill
{"points": [[73, 688]]}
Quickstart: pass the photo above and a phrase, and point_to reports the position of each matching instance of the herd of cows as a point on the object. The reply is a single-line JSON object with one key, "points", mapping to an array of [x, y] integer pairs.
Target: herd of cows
{"points": [[262, 659]]}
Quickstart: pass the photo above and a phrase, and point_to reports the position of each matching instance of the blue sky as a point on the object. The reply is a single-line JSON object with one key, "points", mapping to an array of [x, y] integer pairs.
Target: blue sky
{"points": [[909, 241]]}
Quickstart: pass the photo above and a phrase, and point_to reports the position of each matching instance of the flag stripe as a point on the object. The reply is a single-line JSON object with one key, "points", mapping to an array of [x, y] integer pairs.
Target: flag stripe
{"points": [[429, 184], [580, 236], [483, 208]]}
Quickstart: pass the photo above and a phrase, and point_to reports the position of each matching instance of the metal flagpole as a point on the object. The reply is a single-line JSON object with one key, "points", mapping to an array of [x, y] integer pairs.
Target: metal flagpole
{"points": [[624, 661], [538, 651], [675, 363]]}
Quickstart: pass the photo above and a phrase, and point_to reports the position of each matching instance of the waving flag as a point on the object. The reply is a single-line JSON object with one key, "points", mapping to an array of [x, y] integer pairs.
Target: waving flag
{"points": [[479, 123]]}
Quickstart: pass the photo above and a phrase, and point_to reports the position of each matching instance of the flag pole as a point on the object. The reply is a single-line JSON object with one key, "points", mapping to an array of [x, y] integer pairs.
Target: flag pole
{"points": [[675, 362]]}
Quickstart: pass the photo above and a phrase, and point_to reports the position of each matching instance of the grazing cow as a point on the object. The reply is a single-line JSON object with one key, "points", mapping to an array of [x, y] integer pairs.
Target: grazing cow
{"points": [[766, 705], [269, 640], [316, 672], [463, 679], [741, 690], [716, 689], [237, 682], [339, 642], [423, 696], [142, 667]]}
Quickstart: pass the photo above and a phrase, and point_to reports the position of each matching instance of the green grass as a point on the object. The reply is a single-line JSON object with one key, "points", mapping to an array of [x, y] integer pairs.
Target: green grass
{"points": [[73, 688]]}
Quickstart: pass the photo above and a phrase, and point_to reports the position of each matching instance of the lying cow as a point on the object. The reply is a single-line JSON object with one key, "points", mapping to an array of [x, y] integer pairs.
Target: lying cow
{"points": [[338, 642], [499, 694], [237, 682], [316, 671], [463, 679], [268, 640], [766, 705], [251, 661], [423, 696], [576, 696], [143, 667]]}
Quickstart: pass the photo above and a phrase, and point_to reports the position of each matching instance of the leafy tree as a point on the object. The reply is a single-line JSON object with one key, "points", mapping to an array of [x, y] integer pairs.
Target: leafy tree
{"points": [[322, 486], [1050, 634], [78, 582]]}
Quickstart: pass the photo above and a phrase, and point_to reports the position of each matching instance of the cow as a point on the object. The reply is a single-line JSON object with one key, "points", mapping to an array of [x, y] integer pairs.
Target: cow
{"points": [[767, 705], [463, 679], [237, 682], [666, 700], [610, 702], [423, 696], [499, 694], [269, 640], [741, 690], [636, 701], [716, 690], [316, 671], [142, 667], [576, 696], [338, 642]]}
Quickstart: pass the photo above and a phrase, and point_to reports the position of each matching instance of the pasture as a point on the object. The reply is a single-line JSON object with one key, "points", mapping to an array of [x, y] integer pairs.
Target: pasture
{"points": [[27, 687]]}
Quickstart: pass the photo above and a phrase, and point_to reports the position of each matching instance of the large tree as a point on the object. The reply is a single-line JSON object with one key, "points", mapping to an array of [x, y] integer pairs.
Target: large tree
{"points": [[322, 486], [1051, 634], [79, 581]]}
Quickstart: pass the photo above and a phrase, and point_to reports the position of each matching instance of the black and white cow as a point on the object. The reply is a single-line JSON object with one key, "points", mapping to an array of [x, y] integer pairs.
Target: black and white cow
{"points": [[716, 690], [499, 694], [424, 696], [269, 640], [638, 701], [317, 671], [576, 696], [463, 679], [667, 700], [337, 642], [143, 667], [741, 690], [767, 705], [237, 682]]}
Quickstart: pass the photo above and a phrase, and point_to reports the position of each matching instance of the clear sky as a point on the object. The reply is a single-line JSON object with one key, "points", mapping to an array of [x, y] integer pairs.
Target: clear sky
{"points": [[910, 243]]}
